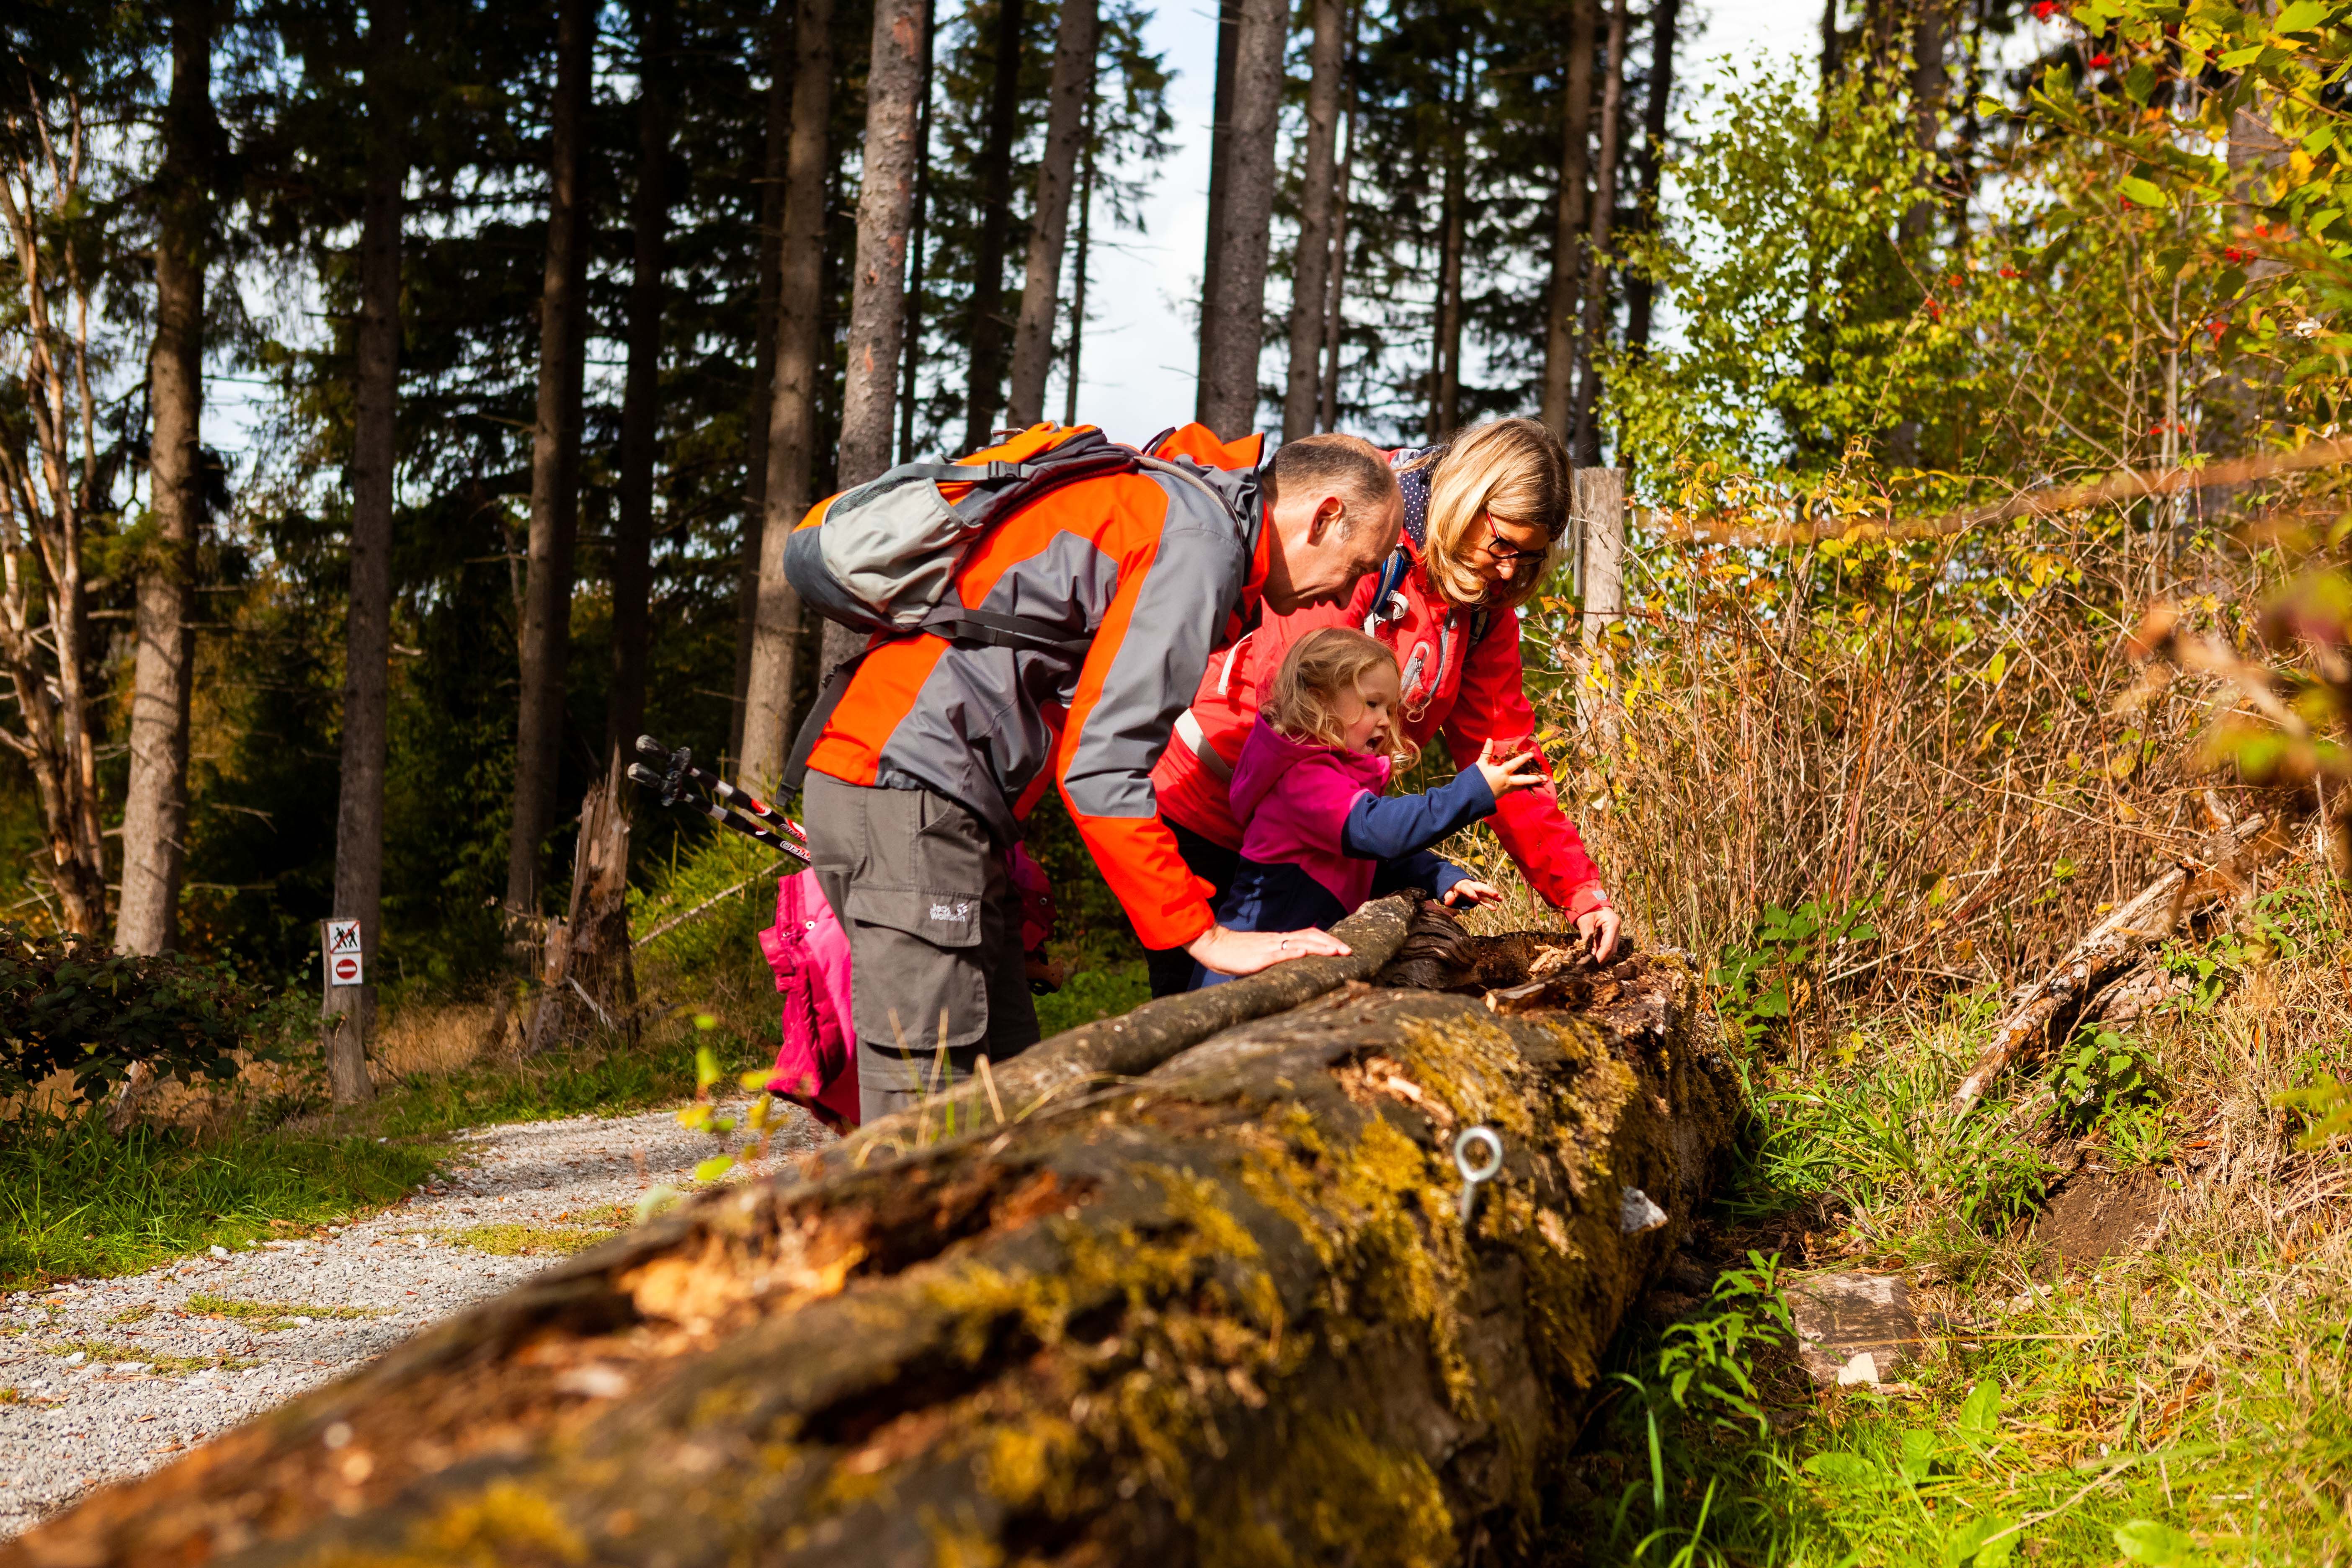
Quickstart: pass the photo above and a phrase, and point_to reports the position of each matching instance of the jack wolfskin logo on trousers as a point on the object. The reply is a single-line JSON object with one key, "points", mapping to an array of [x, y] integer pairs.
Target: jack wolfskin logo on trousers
{"points": [[959, 911]]}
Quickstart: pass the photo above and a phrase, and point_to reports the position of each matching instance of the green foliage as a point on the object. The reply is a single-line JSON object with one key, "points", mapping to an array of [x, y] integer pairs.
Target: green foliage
{"points": [[1093, 990], [1771, 978], [69, 1003], [2102, 1080]]}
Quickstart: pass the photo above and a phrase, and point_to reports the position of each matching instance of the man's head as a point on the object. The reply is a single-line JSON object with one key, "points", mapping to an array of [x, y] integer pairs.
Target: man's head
{"points": [[1333, 507]]}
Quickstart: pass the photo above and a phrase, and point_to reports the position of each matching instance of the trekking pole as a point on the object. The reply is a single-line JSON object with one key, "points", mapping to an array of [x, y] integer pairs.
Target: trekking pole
{"points": [[671, 784]]}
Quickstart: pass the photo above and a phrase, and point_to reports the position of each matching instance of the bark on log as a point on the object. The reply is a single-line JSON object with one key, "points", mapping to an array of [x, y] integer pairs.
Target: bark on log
{"points": [[2109, 952], [1226, 1311]]}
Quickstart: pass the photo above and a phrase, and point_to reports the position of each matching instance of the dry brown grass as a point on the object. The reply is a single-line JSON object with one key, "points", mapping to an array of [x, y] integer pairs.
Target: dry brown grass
{"points": [[439, 1037]]}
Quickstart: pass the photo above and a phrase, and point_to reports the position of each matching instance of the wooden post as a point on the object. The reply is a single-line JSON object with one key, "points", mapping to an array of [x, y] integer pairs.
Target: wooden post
{"points": [[1601, 576]]}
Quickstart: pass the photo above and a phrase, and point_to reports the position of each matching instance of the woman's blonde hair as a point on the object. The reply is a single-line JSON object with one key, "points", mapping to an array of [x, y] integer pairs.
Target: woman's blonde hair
{"points": [[1512, 467], [1320, 668]]}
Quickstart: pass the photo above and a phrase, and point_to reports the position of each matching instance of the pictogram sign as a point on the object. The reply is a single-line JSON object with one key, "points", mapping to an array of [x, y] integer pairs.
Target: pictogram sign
{"points": [[343, 965]]}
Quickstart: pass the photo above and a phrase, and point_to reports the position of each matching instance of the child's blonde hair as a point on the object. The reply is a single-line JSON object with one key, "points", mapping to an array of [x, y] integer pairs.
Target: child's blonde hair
{"points": [[1322, 667]]}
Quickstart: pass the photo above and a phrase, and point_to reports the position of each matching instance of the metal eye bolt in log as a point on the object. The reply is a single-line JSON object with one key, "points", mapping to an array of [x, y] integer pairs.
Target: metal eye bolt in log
{"points": [[1200, 1293]]}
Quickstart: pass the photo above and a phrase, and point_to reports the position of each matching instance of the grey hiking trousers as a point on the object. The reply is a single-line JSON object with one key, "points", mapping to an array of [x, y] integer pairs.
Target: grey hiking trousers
{"points": [[934, 928]]}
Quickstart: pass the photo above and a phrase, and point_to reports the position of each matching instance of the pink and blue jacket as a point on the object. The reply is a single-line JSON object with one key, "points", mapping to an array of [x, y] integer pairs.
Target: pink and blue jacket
{"points": [[1318, 838]]}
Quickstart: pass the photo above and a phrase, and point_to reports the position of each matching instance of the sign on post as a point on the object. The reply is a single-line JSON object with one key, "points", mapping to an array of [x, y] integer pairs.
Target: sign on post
{"points": [[343, 957]]}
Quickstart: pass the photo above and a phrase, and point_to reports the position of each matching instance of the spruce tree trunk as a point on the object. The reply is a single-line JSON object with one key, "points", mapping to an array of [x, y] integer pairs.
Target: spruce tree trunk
{"points": [[984, 388], [886, 205], [1078, 268], [1586, 449], [1318, 201], [1229, 1306], [1334, 320], [1221, 145], [1236, 331], [792, 425], [1641, 290], [632, 521], [1565, 301], [1446, 377], [909, 394], [1929, 82], [554, 458], [1041, 289], [349, 1010], [763, 357], [155, 804]]}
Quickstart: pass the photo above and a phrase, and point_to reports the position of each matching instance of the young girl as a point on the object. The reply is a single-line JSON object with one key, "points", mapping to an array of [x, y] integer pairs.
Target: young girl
{"points": [[1317, 836]]}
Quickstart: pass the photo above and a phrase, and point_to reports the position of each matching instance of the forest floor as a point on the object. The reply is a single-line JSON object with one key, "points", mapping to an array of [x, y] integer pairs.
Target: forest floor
{"points": [[105, 1379]]}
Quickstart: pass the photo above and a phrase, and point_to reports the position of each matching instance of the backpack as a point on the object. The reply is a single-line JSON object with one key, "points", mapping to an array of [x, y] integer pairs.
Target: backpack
{"points": [[882, 558]]}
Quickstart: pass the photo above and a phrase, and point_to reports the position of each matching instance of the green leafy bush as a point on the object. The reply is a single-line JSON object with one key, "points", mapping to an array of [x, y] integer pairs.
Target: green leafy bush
{"points": [[67, 1003], [1771, 979]]}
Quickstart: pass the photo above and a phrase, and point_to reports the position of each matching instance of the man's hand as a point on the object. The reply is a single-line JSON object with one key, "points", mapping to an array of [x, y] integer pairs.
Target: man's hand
{"points": [[1599, 927], [1247, 952]]}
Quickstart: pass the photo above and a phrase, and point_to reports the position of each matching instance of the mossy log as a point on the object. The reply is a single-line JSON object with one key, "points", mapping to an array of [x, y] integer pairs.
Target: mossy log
{"points": [[1223, 1311]]}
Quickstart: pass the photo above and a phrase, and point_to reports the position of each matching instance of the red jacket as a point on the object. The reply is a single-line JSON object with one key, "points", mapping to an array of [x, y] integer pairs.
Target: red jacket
{"points": [[1460, 685], [1157, 567]]}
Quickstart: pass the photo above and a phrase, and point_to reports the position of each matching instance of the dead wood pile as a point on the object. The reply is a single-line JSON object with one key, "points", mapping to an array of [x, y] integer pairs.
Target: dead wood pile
{"points": [[1221, 1307]]}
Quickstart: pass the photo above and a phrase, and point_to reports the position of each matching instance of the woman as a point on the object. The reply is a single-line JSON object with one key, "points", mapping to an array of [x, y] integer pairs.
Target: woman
{"points": [[1482, 516]]}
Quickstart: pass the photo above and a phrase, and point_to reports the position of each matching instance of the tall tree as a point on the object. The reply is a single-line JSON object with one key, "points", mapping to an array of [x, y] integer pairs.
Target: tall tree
{"points": [[1041, 289], [1335, 317], [155, 806], [1078, 268], [1221, 142], [48, 504], [885, 206], [1311, 273], [1445, 368], [641, 393], [1235, 329], [367, 634], [909, 393], [778, 100], [1641, 288], [1567, 292], [554, 457], [986, 382], [792, 424], [1586, 448]]}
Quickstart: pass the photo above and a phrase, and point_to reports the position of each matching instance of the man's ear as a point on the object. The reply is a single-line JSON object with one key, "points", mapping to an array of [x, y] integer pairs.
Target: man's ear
{"points": [[1331, 518]]}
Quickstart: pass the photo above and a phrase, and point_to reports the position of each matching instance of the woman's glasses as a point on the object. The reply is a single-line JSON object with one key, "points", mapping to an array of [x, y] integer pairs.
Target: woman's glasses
{"points": [[1504, 553]]}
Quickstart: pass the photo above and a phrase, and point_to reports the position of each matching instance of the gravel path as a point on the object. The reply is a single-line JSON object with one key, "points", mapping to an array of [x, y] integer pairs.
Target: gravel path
{"points": [[108, 1378]]}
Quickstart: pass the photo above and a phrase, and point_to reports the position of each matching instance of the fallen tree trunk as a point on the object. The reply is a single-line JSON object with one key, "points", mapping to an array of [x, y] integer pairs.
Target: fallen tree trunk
{"points": [[1225, 1310], [2111, 950]]}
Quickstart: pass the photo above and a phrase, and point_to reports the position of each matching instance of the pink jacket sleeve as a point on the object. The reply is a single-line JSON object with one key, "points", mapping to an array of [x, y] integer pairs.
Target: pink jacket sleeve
{"points": [[1493, 705]]}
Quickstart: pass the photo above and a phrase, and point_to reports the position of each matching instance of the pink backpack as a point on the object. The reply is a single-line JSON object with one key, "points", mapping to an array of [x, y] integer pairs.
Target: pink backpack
{"points": [[810, 953]]}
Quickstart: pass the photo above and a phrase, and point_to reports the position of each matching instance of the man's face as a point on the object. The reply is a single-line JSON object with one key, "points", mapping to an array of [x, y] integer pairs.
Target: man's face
{"points": [[1323, 543]]}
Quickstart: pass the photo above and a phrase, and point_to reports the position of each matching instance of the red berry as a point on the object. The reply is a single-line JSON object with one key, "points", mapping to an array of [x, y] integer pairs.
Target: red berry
{"points": [[2044, 9], [2102, 59]]}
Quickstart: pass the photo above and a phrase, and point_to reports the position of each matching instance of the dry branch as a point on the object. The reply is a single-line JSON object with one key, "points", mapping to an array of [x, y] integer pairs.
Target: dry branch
{"points": [[2107, 951], [1226, 1311]]}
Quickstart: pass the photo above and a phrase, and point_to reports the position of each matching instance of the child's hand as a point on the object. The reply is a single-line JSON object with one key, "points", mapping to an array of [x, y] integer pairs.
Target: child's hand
{"points": [[1473, 892], [1521, 769]]}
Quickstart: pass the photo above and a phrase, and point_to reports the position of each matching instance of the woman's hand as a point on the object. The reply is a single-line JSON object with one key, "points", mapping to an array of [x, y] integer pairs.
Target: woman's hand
{"points": [[1238, 953], [1521, 769], [1467, 891], [1600, 928]]}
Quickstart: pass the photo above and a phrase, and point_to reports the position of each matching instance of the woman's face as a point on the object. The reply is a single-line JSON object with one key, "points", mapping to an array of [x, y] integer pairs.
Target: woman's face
{"points": [[1501, 548], [1364, 712]]}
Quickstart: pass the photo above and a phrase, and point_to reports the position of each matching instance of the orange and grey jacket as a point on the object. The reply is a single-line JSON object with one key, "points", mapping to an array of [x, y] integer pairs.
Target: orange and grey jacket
{"points": [[1156, 567]]}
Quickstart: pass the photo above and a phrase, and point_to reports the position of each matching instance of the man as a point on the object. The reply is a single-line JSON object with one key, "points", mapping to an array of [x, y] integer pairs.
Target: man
{"points": [[917, 781]]}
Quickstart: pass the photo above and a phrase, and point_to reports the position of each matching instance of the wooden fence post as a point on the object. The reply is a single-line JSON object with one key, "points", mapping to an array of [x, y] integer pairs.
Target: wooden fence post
{"points": [[1600, 512]]}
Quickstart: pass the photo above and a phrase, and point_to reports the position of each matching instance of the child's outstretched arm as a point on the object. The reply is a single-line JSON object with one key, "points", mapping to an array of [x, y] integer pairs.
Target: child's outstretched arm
{"points": [[1385, 827]]}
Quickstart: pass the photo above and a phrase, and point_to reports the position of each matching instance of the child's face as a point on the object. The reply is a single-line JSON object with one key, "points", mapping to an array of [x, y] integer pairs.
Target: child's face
{"points": [[1364, 712]]}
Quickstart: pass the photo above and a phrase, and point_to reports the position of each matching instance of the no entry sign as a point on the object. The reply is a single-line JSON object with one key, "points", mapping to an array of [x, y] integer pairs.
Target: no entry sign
{"points": [[343, 965]]}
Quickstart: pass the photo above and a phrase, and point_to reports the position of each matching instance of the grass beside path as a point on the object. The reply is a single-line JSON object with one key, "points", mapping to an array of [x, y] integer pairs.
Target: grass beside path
{"points": [[77, 1200]]}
